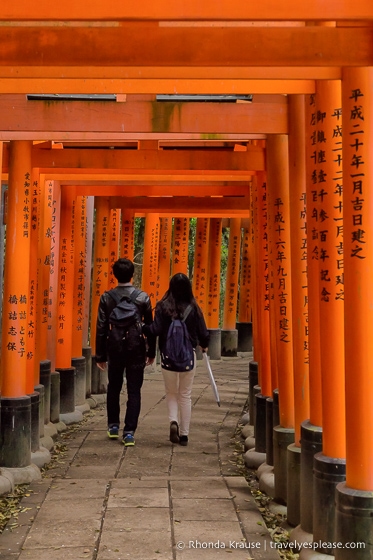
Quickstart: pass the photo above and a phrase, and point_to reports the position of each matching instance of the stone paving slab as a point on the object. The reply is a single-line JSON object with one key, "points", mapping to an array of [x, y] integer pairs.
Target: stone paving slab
{"points": [[136, 497], [193, 538], [66, 490], [214, 487], [156, 501], [57, 525], [57, 553]]}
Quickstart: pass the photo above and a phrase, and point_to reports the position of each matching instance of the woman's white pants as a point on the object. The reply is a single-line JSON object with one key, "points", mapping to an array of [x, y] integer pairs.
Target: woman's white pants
{"points": [[178, 387]]}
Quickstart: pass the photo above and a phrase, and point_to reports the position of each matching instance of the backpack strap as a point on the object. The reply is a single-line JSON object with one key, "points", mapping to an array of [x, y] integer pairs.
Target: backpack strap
{"points": [[118, 298], [186, 313]]}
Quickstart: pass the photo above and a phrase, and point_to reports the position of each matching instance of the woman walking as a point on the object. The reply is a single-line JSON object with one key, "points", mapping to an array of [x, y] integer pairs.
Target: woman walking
{"points": [[178, 300]]}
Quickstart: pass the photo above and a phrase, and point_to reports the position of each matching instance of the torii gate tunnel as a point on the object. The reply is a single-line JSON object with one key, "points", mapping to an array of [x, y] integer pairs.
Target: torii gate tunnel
{"points": [[252, 118]]}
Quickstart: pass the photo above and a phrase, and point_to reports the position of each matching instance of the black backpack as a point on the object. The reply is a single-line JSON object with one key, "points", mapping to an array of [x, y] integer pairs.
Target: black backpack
{"points": [[178, 354], [125, 323]]}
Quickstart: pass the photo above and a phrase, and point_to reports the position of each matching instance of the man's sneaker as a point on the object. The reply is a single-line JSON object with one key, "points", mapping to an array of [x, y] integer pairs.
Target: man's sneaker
{"points": [[184, 441], [128, 440], [113, 432]]}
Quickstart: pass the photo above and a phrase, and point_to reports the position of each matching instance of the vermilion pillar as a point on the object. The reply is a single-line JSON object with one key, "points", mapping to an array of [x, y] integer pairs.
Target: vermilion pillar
{"points": [[354, 498], [263, 318], [44, 251], [164, 257], [86, 225], [278, 194], [278, 205], [263, 280], [357, 102], [88, 266], [331, 267], [213, 297], [100, 261], [180, 246], [311, 430], [201, 262], [231, 290], [79, 361], [53, 272], [114, 230], [255, 243], [79, 274], [313, 262], [16, 271], [229, 332], [127, 234], [245, 298], [65, 280], [65, 297], [330, 463], [150, 261], [33, 370], [213, 300], [244, 324], [15, 426], [298, 231]]}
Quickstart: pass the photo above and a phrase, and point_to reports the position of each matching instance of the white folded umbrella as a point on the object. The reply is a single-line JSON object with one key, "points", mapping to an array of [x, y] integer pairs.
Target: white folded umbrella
{"points": [[211, 376]]}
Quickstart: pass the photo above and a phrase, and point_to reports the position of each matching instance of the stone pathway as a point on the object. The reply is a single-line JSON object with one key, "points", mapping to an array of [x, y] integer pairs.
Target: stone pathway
{"points": [[156, 501]]}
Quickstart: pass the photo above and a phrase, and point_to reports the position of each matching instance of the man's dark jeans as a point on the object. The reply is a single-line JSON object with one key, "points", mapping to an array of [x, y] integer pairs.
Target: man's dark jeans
{"points": [[135, 378]]}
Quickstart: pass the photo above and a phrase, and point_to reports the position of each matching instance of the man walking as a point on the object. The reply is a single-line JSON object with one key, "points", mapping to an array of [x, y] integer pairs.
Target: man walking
{"points": [[124, 348]]}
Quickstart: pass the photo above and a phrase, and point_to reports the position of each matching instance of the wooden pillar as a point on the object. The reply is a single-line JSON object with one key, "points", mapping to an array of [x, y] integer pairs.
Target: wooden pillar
{"points": [[88, 266], [357, 103], [164, 257], [233, 267], [33, 369], [113, 235], [201, 262], [212, 314], [244, 320], [298, 231], [53, 272], [16, 271], [263, 280], [278, 194], [127, 234], [16, 426], [150, 262], [213, 298], [44, 250], [180, 246], [278, 204], [331, 269], [79, 275], [65, 292], [255, 243], [229, 334], [2, 226], [313, 264], [100, 261], [245, 297]]}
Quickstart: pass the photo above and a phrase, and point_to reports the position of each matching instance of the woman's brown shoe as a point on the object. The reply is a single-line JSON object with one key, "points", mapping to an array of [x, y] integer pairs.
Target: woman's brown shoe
{"points": [[174, 432]]}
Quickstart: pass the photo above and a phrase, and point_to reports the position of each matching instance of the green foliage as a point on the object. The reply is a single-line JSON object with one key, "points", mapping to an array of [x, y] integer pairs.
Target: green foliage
{"points": [[223, 270], [192, 244], [139, 232]]}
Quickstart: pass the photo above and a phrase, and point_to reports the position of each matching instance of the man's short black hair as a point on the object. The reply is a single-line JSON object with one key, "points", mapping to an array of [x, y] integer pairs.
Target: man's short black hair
{"points": [[123, 270]]}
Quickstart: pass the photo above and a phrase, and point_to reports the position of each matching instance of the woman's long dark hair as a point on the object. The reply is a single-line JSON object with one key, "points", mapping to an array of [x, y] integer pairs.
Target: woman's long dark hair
{"points": [[178, 296]]}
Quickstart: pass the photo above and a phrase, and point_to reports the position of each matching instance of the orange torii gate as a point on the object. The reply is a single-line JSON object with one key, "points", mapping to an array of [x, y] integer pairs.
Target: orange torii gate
{"points": [[288, 55]]}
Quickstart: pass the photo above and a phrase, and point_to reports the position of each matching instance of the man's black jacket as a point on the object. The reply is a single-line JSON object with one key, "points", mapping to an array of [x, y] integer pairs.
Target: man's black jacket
{"points": [[106, 306]]}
